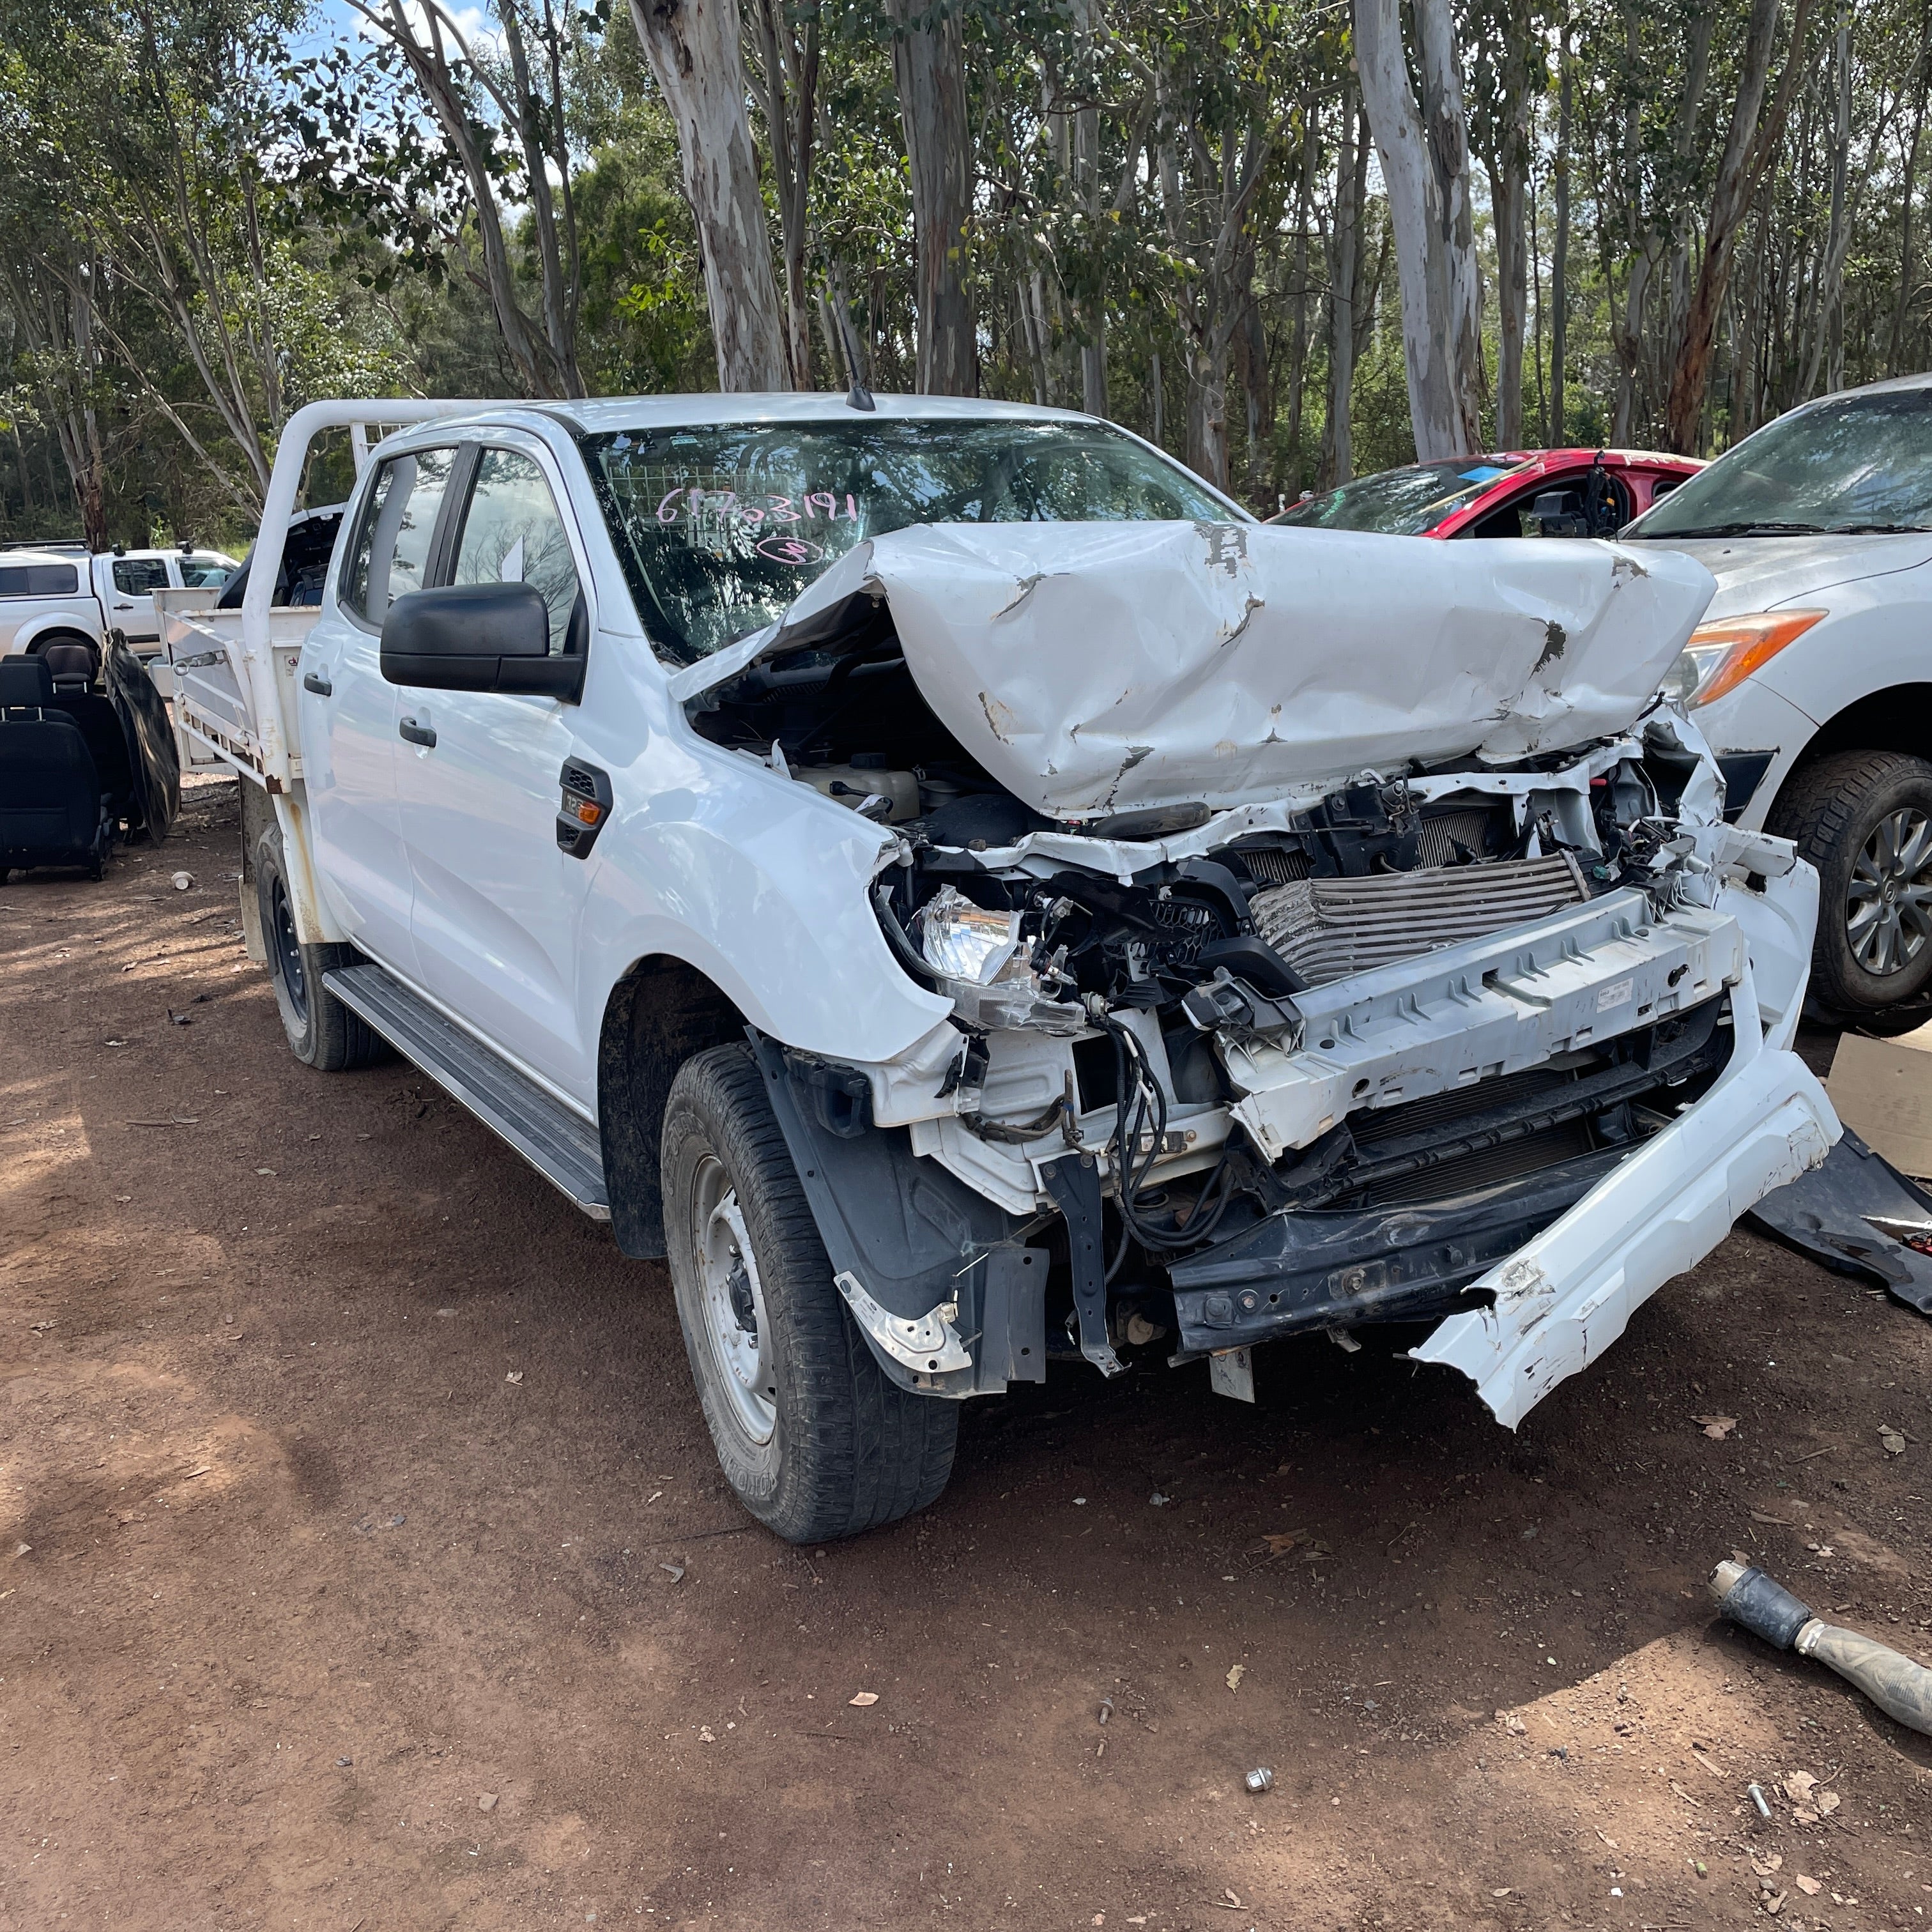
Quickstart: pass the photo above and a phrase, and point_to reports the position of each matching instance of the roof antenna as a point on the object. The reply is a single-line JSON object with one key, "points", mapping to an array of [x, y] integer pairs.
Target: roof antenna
{"points": [[857, 396]]}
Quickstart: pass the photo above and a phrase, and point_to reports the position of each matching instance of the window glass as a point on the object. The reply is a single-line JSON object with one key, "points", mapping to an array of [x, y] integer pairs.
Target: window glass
{"points": [[1858, 463], [136, 576], [718, 527], [1402, 502], [205, 571], [392, 547], [39, 580], [512, 534]]}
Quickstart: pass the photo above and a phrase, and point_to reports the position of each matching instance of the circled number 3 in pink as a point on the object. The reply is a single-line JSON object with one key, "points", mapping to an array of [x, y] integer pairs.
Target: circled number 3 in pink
{"points": [[790, 549]]}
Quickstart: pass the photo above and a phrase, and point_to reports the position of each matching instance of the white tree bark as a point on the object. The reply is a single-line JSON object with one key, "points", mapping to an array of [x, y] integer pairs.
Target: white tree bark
{"points": [[694, 51], [1425, 159]]}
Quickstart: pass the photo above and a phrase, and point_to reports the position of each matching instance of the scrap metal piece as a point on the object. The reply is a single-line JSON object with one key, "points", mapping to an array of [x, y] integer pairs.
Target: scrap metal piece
{"points": [[1858, 1216], [1230, 1372], [1074, 1182]]}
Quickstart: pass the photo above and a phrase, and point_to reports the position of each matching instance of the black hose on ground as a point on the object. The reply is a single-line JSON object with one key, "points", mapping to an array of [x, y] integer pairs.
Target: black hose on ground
{"points": [[1898, 1686]]}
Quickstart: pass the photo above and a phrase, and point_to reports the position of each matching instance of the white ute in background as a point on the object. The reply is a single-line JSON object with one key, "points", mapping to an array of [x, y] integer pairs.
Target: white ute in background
{"points": [[966, 895]]}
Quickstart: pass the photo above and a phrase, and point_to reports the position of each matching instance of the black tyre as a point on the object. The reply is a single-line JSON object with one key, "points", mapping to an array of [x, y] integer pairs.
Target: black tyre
{"points": [[323, 1032], [816, 1441], [1864, 820]]}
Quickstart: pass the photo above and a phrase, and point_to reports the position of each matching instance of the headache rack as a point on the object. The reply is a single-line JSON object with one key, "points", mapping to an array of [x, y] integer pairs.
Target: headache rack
{"points": [[233, 672]]}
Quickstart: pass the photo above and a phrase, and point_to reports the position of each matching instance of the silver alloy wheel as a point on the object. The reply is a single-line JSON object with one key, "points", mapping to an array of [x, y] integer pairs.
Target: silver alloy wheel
{"points": [[735, 1322], [1888, 908]]}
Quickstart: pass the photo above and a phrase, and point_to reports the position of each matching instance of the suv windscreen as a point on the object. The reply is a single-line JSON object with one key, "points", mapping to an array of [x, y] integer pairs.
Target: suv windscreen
{"points": [[719, 527], [1861, 463], [1401, 502]]}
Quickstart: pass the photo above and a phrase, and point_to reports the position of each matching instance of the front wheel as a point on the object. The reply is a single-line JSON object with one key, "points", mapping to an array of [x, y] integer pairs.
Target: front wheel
{"points": [[814, 1437], [322, 1032], [1864, 820]]}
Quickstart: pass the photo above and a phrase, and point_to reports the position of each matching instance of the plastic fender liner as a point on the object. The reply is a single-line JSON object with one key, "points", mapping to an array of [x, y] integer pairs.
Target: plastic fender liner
{"points": [[932, 1272]]}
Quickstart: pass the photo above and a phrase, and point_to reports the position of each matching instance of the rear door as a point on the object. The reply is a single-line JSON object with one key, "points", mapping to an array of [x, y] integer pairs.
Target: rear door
{"points": [[349, 715], [496, 905]]}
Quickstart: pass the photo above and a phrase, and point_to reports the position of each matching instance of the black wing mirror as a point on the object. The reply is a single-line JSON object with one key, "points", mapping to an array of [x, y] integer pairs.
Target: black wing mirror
{"points": [[477, 637]]}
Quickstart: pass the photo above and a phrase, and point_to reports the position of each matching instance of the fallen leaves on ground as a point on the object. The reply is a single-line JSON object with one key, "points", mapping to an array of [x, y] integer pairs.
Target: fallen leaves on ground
{"points": [[1235, 1675], [1717, 1427], [865, 1699]]}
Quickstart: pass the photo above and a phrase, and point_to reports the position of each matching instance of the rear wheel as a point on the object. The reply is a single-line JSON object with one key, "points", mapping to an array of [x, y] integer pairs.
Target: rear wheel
{"points": [[322, 1032], [815, 1438], [1864, 820]]}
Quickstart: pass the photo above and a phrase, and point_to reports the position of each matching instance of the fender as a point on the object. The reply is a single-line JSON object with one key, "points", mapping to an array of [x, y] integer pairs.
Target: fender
{"points": [[35, 630]]}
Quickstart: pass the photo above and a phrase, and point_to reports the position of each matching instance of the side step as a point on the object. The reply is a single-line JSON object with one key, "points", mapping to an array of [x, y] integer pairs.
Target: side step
{"points": [[562, 1147]]}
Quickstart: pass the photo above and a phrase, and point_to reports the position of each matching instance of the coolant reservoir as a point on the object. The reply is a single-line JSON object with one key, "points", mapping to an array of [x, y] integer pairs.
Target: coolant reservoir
{"points": [[853, 785]]}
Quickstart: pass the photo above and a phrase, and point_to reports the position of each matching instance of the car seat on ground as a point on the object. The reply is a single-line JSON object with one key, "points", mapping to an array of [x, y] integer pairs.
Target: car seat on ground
{"points": [[53, 809]]}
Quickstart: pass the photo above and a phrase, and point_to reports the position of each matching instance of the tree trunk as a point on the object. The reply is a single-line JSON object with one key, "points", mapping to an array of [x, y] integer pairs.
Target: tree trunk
{"points": [[1747, 148], [1297, 353], [1345, 247], [1559, 255], [786, 86], [692, 45], [929, 66], [1841, 155], [1895, 364], [1425, 160]]}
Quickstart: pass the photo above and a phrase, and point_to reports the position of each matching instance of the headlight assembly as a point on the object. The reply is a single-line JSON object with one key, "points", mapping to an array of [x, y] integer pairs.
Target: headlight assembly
{"points": [[1723, 653]]}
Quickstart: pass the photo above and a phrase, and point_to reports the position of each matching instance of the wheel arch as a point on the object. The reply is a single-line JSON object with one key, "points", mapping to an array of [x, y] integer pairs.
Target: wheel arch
{"points": [[1898, 719], [61, 631], [662, 1010]]}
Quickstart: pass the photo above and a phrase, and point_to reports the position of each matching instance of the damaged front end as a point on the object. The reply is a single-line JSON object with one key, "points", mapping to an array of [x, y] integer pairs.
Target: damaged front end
{"points": [[1496, 1040]]}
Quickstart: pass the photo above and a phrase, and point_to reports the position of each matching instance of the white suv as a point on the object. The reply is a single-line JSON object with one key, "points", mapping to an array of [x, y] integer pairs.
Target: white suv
{"points": [[1811, 674]]}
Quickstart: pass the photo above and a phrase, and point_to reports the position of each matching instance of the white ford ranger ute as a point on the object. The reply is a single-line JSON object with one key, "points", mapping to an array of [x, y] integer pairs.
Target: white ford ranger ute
{"points": [[966, 896]]}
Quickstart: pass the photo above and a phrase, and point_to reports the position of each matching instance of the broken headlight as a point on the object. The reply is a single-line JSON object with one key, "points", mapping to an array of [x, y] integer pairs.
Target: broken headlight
{"points": [[963, 941], [985, 968]]}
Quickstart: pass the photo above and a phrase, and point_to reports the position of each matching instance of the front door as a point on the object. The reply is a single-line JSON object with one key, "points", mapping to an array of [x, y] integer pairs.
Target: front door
{"points": [[349, 715], [496, 905], [132, 582]]}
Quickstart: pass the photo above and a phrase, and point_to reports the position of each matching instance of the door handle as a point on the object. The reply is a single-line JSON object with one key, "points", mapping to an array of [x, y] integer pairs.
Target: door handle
{"points": [[315, 682], [417, 734]]}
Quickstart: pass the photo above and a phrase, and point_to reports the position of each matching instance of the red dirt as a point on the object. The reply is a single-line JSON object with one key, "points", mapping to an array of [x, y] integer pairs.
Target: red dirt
{"points": [[307, 1571]]}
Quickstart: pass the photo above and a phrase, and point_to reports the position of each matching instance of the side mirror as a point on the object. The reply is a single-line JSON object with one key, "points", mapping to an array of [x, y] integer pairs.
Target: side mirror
{"points": [[477, 637]]}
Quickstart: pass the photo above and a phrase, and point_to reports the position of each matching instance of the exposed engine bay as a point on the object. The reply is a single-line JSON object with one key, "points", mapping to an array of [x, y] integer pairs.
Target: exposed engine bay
{"points": [[1217, 1073]]}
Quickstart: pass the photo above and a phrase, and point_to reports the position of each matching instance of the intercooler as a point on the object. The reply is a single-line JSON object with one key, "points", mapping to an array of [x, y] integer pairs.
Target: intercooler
{"points": [[1330, 929]]}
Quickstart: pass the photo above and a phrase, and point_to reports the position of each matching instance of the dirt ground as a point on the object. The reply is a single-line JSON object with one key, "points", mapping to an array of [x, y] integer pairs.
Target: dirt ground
{"points": [[363, 1564]]}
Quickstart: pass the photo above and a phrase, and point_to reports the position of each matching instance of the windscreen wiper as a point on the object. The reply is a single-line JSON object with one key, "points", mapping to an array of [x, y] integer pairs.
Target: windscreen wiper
{"points": [[1738, 530], [1881, 529]]}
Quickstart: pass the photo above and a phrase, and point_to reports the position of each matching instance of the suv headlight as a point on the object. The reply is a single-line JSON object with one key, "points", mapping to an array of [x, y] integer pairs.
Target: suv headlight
{"points": [[1723, 653]]}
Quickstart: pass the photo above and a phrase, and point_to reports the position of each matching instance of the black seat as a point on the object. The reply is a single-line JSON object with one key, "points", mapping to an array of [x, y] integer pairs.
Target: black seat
{"points": [[74, 666], [52, 809]]}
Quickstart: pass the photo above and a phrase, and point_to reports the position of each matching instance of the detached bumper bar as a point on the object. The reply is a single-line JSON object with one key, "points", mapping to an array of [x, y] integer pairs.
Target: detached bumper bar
{"points": [[1562, 1299]]}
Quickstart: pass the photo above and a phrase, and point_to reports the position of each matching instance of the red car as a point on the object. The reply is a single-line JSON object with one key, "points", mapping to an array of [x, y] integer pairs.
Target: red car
{"points": [[1520, 493]]}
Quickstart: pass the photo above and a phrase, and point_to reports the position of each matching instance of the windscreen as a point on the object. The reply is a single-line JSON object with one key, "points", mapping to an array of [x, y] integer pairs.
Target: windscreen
{"points": [[1401, 502], [1861, 464], [719, 527]]}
